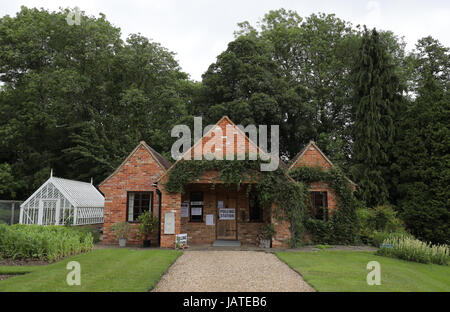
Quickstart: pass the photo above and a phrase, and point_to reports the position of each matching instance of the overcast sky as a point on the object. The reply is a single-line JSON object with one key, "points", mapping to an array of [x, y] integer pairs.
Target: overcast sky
{"points": [[198, 30]]}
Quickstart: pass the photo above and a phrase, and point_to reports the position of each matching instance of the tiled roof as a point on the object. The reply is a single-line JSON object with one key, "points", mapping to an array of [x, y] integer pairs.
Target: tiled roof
{"points": [[164, 162]]}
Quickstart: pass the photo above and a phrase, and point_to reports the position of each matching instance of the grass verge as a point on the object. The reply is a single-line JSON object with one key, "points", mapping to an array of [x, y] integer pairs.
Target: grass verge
{"points": [[346, 271], [101, 270]]}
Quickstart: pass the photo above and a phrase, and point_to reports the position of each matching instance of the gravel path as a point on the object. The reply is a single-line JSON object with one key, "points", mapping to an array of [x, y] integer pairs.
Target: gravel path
{"points": [[230, 271]]}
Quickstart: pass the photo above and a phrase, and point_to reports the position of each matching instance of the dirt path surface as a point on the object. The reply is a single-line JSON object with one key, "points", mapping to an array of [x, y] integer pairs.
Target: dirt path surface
{"points": [[230, 271]]}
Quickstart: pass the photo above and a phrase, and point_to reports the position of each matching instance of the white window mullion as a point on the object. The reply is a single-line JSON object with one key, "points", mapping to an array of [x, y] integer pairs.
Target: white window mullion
{"points": [[130, 206]]}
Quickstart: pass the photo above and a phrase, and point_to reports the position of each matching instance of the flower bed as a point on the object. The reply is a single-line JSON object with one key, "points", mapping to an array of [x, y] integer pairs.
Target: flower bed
{"points": [[408, 248], [48, 243]]}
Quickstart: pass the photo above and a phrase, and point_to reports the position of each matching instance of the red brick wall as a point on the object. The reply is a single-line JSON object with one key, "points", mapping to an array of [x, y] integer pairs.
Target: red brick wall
{"points": [[313, 158], [218, 144], [170, 203], [137, 174], [140, 171], [283, 234], [200, 233]]}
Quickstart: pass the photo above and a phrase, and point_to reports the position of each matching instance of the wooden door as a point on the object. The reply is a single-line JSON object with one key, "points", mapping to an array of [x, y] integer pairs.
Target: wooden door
{"points": [[226, 215]]}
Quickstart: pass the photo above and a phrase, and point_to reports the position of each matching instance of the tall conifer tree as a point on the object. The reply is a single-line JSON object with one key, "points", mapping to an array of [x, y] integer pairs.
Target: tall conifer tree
{"points": [[423, 150], [376, 97]]}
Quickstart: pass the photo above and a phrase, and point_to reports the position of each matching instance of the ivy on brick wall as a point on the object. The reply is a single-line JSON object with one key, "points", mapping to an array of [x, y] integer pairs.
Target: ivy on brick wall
{"points": [[275, 187], [342, 226]]}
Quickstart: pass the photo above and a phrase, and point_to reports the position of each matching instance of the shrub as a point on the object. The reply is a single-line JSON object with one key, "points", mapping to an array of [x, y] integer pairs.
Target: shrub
{"points": [[48, 243], [121, 229], [377, 238], [408, 248], [378, 223], [268, 231], [342, 225], [95, 232], [321, 230], [147, 225]]}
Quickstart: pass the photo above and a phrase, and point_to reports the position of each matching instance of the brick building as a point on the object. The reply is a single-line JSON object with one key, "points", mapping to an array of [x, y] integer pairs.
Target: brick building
{"points": [[208, 210]]}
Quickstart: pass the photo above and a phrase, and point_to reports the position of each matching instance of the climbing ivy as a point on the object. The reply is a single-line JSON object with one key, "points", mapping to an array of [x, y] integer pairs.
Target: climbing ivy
{"points": [[276, 187], [342, 226], [290, 198]]}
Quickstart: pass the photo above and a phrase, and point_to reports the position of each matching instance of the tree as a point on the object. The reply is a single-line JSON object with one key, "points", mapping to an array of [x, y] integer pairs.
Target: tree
{"points": [[77, 99], [291, 71], [377, 94], [422, 154]]}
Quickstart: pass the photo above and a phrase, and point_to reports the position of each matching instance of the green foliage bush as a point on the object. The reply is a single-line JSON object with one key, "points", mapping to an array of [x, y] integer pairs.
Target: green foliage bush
{"points": [[377, 238], [95, 232], [48, 243], [377, 224], [321, 230], [408, 248], [147, 225], [342, 226], [121, 229]]}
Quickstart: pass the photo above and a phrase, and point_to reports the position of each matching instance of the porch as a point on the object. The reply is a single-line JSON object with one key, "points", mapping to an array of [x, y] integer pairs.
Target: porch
{"points": [[221, 214]]}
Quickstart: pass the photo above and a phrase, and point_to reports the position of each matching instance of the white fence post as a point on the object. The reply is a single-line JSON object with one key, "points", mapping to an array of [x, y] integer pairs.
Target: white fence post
{"points": [[21, 215], [13, 205]]}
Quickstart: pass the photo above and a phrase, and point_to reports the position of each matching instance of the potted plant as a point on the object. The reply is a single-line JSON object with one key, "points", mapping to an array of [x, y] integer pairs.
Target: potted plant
{"points": [[147, 225], [121, 230], [267, 232]]}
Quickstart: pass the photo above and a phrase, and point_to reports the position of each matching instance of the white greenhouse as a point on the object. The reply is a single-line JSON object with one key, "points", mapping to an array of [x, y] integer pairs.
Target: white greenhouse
{"points": [[63, 202]]}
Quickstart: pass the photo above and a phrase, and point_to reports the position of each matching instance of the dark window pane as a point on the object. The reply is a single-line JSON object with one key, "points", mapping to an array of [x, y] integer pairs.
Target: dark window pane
{"points": [[142, 202], [196, 206], [255, 207], [319, 209]]}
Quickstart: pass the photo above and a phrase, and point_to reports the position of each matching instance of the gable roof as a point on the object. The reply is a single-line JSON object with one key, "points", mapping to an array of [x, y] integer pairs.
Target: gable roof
{"points": [[227, 119], [163, 163], [83, 194], [303, 151], [79, 194]]}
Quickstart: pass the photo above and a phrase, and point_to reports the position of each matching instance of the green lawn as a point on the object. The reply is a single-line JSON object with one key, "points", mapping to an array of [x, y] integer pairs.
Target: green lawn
{"points": [[346, 271], [101, 270]]}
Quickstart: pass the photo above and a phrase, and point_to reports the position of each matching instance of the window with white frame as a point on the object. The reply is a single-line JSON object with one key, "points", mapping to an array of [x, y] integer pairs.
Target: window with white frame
{"points": [[138, 202]]}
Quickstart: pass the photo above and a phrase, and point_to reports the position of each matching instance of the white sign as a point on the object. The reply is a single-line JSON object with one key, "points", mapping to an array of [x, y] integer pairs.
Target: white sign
{"points": [[196, 211], [227, 214], [169, 223], [196, 203], [210, 219], [185, 209], [220, 204]]}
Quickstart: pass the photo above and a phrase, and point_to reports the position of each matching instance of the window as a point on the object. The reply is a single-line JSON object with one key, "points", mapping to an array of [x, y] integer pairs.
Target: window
{"points": [[319, 205], [255, 208], [138, 202], [196, 205]]}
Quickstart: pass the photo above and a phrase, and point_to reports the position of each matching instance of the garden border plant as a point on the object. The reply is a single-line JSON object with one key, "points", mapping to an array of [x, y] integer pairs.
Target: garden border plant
{"points": [[342, 227], [47, 243], [276, 187]]}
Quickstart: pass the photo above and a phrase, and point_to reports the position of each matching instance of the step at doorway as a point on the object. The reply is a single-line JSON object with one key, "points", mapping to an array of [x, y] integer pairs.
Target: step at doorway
{"points": [[226, 243]]}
